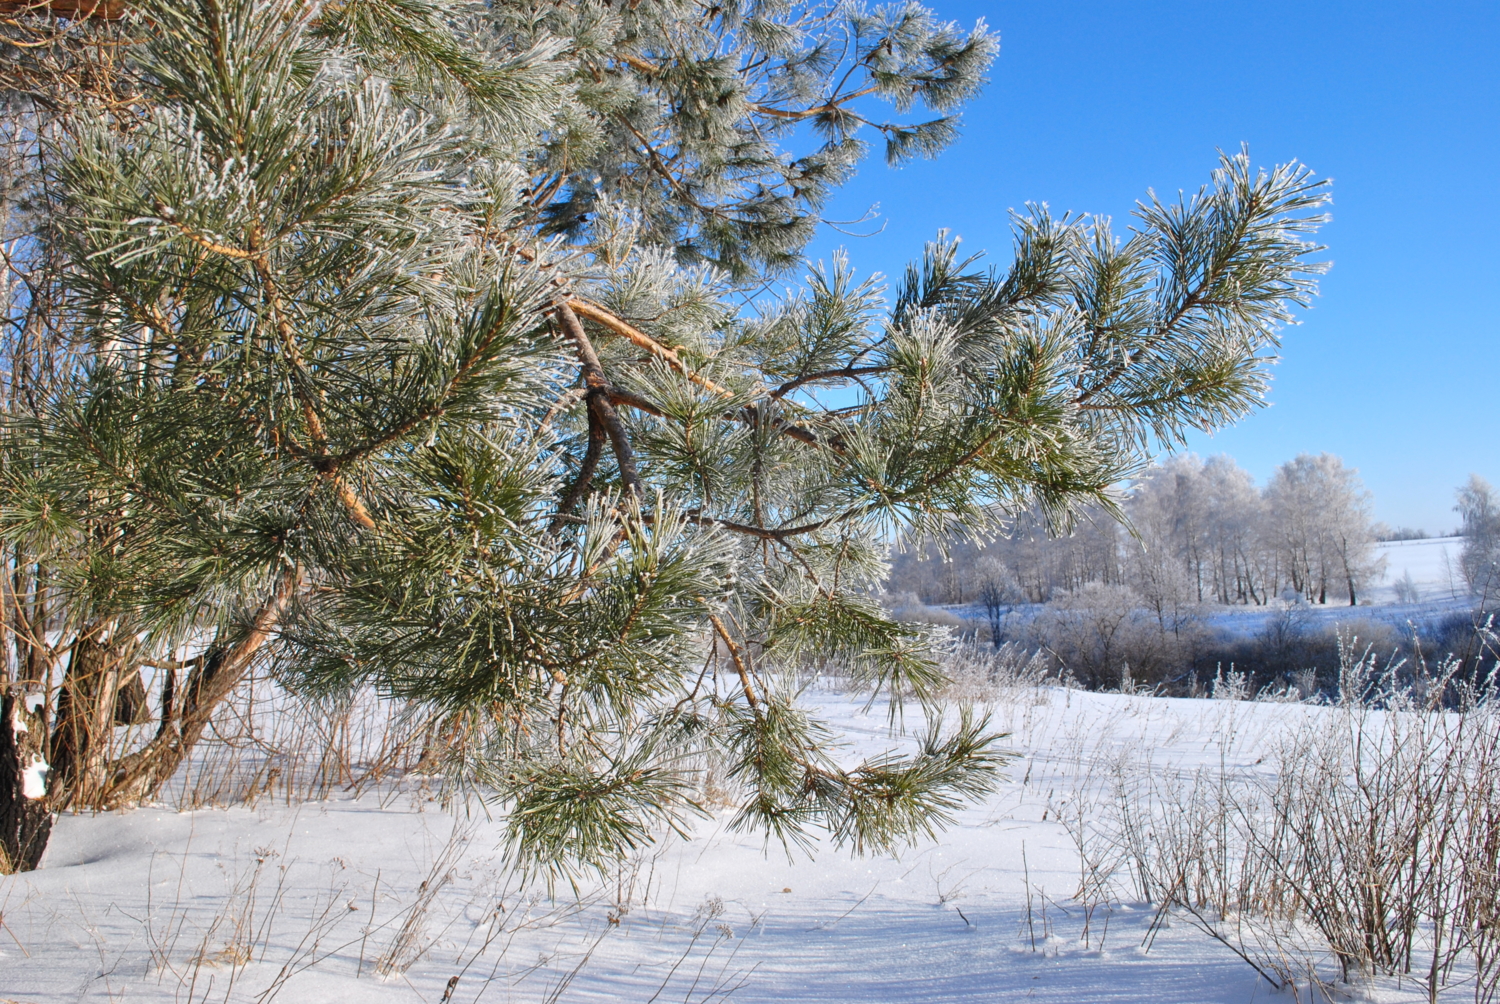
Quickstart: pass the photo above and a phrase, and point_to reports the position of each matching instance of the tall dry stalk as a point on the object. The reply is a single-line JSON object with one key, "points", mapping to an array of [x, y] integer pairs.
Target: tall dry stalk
{"points": [[1371, 838]]}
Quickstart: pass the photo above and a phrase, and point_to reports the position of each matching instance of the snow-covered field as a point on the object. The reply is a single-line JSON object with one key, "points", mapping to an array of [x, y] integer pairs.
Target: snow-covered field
{"points": [[326, 902], [1431, 565]]}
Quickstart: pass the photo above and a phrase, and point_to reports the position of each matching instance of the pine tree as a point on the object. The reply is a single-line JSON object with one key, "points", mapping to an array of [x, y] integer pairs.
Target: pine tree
{"points": [[415, 360]]}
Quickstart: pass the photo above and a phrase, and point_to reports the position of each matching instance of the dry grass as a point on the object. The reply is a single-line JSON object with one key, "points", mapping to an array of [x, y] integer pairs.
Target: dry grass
{"points": [[1364, 845], [1008, 675], [266, 744]]}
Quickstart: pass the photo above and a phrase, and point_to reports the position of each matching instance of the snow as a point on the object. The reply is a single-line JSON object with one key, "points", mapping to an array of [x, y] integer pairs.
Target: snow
{"points": [[34, 778], [1431, 563], [34, 775], [158, 905]]}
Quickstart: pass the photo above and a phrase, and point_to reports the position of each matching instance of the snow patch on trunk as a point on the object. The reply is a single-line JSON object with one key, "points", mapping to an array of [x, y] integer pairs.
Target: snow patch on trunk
{"points": [[34, 778]]}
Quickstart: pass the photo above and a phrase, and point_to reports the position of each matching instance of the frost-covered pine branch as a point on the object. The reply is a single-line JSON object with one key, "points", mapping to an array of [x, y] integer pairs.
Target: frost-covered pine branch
{"points": [[363, 396]]}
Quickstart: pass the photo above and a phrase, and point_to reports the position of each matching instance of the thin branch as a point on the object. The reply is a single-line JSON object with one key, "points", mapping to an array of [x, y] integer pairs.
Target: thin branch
{"points": [[847, 373], [764, 533], [561, 405], [227, 250], [739, 662], [580, 485], [835, 105], [638, 64], [599, 399], [637, 337]]}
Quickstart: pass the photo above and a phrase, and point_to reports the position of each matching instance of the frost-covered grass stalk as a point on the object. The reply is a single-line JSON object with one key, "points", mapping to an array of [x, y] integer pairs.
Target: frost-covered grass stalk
{"points": [[1369, 840]]}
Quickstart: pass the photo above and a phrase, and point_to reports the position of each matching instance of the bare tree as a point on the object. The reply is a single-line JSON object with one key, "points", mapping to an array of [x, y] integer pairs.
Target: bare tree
{"points": [[1039, 563], [1319, 522], [1167, 513], [1479, 505], [1234, 511], [999, 592], [1197, 528]]}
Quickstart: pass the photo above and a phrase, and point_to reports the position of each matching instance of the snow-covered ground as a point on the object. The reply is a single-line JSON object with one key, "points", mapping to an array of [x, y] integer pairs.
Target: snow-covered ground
{"points": [[1431, 564], [311, 903]]}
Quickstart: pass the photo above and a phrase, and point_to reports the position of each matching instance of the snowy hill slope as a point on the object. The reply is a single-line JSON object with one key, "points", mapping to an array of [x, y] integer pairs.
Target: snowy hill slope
{"points": [[326, 902], [1431, 564]]}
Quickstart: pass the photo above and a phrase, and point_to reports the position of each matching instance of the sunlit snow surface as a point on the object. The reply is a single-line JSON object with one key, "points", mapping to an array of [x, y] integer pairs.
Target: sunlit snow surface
{"points": [[1432, 564], [143, 906]]}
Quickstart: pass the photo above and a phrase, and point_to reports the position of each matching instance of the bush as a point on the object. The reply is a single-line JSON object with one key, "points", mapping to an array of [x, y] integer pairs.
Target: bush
{"points": [[1372, 845], [1106, 639]]}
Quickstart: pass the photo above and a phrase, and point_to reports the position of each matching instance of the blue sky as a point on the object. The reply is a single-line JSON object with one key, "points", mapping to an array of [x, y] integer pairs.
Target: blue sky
{"points": [[1395, 367]]}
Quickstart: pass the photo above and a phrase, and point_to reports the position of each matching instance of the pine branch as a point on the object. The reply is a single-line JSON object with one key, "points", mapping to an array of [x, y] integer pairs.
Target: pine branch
{"points": [[738, 658], [599, 399]]}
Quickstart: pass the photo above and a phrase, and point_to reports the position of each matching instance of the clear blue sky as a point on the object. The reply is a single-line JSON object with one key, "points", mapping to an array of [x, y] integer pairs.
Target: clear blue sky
{"points": [[1395, 367]]}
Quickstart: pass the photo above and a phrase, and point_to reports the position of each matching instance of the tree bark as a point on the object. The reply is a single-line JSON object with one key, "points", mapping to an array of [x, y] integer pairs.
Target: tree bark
{"points": [[580, 487], [73, 10], [598, 399], [25, 818], [85, 722]]}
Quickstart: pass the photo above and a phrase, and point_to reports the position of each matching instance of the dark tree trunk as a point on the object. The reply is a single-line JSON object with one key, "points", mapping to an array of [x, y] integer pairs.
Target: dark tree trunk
{"points": [[131, 704], [85, 723], [25, 819]]}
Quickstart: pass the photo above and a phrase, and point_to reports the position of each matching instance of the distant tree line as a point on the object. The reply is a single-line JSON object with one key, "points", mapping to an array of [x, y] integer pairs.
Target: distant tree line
{"points": [[1130, 603], [1199, 532]]}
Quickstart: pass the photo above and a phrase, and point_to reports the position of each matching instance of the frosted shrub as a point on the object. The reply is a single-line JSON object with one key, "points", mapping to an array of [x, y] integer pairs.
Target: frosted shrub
{"points": [[1233, 686], [1010, 673], [1370, 843]]}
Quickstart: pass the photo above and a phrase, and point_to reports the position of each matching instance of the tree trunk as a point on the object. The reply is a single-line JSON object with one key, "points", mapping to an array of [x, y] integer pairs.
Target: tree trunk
{"points": [[25, 818], [1349, 577], [139, 775], [85, 722], [132, 706], [95, 697]]}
